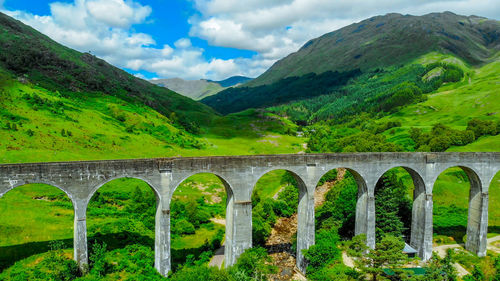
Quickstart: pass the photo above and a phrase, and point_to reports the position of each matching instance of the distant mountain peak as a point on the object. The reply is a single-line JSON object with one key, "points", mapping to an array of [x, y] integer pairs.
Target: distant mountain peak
{"points": [[381, 41]]}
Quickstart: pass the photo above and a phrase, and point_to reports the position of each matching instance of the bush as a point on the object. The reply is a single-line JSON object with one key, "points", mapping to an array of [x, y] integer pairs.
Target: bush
{"points": [[184, 227]]}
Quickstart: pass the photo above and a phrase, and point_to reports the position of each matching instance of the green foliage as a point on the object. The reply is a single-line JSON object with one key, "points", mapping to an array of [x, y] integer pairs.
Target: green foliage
{"points": [[328, 139], [184, 227], [392, 206], [483, 127], [388, 254], [293, 88], [201, 272], [254, 263], [324, 251], [98, 265], [440, 138], [339, 209]]}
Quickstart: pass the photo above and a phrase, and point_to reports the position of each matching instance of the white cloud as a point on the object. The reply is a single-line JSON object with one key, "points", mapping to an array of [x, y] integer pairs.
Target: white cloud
{"points": [[272, 29], [104, 28]]}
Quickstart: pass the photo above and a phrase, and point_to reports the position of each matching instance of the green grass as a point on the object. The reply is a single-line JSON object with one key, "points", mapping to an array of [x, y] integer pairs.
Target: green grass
{"points": [[454, 105], [105, 127]]}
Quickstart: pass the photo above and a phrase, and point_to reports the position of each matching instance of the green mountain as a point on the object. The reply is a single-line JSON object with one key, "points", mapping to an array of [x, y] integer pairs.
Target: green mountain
{"points": [[358, 66], [194, 89], [232, 81], [57, 104], [199, 89], [30, 56], [388, 40]]}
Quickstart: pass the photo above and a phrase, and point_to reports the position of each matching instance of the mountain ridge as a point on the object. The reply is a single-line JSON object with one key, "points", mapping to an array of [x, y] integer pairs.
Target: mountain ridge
{"points": [[199, 89], [376, 46], [450, 32]]}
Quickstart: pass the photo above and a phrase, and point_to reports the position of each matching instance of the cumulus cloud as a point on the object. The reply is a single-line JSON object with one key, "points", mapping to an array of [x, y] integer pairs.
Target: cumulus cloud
{"points": [[272, 29], [103, 27]]}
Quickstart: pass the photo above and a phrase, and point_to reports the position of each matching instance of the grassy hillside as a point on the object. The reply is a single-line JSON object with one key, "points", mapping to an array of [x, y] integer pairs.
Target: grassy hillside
{"points": [[37, 124], [381, 51], [454, 104], [28, 55]]}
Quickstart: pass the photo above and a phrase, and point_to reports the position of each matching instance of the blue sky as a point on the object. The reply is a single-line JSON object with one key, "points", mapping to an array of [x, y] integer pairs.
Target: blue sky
{"points": [[210, 39]]}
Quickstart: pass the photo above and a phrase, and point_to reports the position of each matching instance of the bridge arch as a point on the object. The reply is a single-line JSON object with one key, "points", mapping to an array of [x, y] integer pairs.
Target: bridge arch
{"points": [[417, 222], [305, 209], [494, 200], [360, 214], [228, 248], [95, 188], [46, 182], [477, 206], [32, 221]]}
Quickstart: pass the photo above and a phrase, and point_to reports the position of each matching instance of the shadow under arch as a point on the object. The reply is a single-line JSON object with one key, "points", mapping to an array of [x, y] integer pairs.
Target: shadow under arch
{"points": [[477, 209], [11, 253], [305, 213], [227, 250], [360, 218]]}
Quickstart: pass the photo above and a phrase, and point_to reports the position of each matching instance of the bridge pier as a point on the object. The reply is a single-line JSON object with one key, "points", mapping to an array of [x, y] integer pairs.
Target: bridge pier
{"points": [[365, 217], [80, 236], [421, 224], [162, 239], [477, 222], [238, 230], [421, 220], [305, 226]]}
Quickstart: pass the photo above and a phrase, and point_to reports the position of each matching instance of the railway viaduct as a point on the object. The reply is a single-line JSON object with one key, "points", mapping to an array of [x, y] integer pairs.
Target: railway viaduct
{"points": [[80, 180]]}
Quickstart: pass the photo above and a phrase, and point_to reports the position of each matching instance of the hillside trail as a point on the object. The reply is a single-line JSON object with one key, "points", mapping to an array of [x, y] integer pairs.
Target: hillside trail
{"points": [[441, 251], [279, 243]]}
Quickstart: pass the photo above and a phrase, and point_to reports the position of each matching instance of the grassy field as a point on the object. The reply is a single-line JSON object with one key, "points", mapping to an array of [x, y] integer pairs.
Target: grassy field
{"points": [[454, 104]]}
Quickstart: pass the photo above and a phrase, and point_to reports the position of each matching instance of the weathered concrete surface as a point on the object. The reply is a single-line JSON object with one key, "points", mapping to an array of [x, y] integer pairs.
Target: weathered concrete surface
{"points": [[80, 180]]}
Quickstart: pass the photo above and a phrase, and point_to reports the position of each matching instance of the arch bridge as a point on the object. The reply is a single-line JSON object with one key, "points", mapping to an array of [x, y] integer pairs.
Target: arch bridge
{"points": [[81, 179]]}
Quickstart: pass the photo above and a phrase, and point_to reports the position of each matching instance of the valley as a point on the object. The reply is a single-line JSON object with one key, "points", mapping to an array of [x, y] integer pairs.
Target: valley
{"points": [[57, 104]]}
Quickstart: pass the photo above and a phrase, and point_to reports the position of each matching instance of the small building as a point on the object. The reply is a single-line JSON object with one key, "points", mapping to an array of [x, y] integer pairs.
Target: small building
{"points": [[409, 251]]}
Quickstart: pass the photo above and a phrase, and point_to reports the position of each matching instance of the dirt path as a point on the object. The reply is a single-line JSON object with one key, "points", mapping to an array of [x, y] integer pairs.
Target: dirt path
{"points": [[218, 258], [441, 251], [279, 243], [320, 193]]}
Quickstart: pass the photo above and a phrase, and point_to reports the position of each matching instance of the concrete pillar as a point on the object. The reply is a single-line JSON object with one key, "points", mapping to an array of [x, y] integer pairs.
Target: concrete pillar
{"points": [[80, 236], [162, 238], [421, 225], [477, 222], [228, 252], [305, 226], [370, 219], [365, 217], [238, 230], [421, 222]]}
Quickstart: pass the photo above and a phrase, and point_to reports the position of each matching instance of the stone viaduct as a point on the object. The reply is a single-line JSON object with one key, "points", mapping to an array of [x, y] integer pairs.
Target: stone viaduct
{"points": [[80, 180]]}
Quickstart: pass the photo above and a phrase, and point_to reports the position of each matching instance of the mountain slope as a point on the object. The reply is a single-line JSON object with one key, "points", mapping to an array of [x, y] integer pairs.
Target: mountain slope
{"points": [[199, 89], [387, 40], [34, 57], [232, 81], [195, 89], [381, 52], [57, 104]]}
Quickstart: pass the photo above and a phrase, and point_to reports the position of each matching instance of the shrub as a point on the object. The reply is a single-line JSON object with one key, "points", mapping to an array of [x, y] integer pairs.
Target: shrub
{"points": [[184, 227]]}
